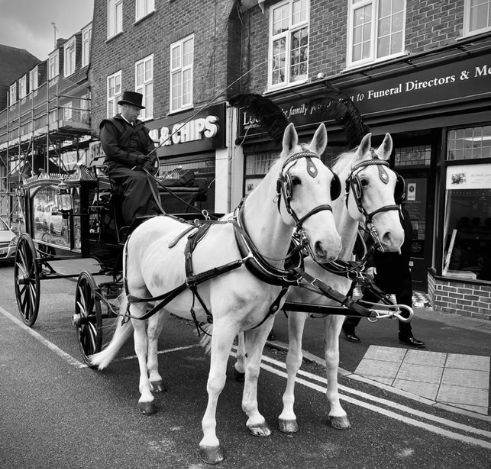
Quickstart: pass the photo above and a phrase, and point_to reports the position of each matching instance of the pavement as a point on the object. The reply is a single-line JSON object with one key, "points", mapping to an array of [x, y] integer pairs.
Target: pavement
{"points": [[451, 372]]}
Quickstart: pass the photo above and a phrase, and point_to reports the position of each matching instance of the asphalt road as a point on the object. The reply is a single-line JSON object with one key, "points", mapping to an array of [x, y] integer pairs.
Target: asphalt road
{"points": [[57, 413]]}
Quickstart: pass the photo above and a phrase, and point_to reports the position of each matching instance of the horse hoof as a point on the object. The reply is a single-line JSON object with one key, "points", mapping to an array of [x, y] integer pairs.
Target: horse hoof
{"points": [[211, 454], [239, 376], [147, 408], [288, 426], [158, 386], [340, 423], [260, 430]]}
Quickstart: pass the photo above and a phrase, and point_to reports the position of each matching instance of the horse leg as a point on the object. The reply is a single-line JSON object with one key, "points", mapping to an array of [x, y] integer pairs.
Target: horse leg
{"points": [[255, 340], [332, 327], [146, 403], [287, 421], [221, 344], [239, 366], [155, 325]]}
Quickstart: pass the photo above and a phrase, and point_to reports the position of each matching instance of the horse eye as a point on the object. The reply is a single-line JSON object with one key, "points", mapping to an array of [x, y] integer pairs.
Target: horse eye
{"points": [[364, 182], [296, 181]]}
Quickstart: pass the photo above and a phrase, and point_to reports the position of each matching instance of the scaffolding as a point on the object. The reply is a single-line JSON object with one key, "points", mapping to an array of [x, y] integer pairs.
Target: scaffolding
{"points": [[46, 132]]}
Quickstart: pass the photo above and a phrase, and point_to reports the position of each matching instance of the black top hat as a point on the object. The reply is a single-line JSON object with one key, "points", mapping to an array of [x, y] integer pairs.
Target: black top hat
{"points": [[133, 98]]}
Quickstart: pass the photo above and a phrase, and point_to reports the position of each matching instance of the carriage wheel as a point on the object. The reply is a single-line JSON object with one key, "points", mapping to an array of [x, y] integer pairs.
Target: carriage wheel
{"points": [[87, 318], [26, 279]]}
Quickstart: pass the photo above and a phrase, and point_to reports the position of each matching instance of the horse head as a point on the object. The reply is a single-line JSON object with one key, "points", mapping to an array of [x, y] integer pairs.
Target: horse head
{"points": [[305, 190], [374, 193]]}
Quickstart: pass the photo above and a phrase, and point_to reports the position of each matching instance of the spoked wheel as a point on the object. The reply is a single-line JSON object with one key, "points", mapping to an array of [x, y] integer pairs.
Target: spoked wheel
{"points": [[26, 279], [87, 318]]}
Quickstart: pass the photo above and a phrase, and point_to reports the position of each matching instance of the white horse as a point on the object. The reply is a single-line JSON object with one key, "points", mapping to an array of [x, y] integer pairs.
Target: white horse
{"points": [[369, 199], [294, 193]]}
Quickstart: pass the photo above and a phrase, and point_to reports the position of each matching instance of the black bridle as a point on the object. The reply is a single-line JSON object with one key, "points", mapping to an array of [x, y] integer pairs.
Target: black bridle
{"points": [[354, 185]]}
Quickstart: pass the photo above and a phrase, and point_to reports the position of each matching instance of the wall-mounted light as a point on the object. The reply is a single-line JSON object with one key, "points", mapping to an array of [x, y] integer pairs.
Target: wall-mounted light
{"points": [[64, 198]]}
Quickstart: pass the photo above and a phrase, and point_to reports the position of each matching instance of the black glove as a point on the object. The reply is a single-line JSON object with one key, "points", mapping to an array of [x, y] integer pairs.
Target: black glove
{"points": [[141, 160]]}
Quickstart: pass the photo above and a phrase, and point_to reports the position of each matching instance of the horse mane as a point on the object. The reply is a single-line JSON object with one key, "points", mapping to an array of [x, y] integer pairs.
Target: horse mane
{"points": [[343, 160]]}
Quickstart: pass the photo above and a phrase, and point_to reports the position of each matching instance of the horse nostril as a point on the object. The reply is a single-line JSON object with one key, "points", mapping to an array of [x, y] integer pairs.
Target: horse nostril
{"points": [[319, 249]]}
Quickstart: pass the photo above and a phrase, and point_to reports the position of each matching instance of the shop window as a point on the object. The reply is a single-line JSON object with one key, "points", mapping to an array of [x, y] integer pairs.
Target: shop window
{"points": [[469, 143], [467, 229], [376, 30], [114, 17], [144, 85], [289, 43], [113, 93], [419, 155], [182, 59], [477, 16]]}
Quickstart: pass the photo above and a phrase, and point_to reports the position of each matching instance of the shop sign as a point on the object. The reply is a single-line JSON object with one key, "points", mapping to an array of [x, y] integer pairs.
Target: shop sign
{"points": [[190, 132], [454, 82], [440, 85]]}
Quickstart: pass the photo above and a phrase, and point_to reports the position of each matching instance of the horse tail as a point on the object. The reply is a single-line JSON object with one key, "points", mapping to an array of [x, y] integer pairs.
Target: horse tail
{"points": [[205, 341], [121, 334]]}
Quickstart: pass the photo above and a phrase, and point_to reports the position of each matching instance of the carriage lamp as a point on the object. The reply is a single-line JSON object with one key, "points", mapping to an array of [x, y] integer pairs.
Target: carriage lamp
{"points": [[64, 199]]}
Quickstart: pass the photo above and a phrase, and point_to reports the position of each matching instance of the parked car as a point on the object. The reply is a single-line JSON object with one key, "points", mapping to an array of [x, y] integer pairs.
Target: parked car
{"points": [[8, 243]]}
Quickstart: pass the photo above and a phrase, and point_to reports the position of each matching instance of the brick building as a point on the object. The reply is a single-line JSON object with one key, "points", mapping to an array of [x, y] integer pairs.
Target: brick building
{"points": [[417, 69], [182, 56]]}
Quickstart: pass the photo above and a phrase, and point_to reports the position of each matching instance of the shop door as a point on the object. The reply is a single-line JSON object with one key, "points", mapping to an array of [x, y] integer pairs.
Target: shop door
{"points": [[420, 211]]}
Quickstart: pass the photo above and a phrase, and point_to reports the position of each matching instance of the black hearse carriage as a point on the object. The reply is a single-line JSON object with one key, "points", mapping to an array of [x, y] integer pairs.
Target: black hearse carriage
{"points": [[78, 216]]}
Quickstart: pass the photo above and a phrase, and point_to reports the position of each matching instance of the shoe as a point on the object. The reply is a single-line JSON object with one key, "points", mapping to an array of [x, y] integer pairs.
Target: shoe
{"points": [[271, 336], [351, 337], [412, 342]]}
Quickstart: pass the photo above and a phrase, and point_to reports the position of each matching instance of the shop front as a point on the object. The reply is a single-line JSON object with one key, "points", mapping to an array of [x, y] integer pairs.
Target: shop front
{"points": [[190, 141], [436, 108]]}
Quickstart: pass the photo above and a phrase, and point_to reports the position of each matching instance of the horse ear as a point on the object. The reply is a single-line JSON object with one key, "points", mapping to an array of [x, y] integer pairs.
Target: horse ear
{"points": [[319, 142], [364, 147], [385, 148], [290, 139]]}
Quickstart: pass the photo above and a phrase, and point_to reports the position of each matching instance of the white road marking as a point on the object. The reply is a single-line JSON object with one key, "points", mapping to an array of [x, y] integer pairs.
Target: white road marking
{"points": [[68, 358], [394, 415], [410, 421]]}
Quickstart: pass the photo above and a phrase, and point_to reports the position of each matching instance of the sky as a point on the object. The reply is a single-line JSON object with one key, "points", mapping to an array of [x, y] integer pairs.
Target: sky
{"points": [[26, 24]]}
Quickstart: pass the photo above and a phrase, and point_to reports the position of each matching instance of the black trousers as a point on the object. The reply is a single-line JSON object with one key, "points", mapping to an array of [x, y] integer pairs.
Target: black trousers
{"points": [[403, 292], [138, 199]]}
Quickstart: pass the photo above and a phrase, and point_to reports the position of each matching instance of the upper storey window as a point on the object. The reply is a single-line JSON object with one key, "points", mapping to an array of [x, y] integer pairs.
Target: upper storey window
{"points": [[376, 30], [144, 8], [289, 43], [477, 16], [114, 17], [181, 70], [53, 65], [86, 42], [69, 61]]}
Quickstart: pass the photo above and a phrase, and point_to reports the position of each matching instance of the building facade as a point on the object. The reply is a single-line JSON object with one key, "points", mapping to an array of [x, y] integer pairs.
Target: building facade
{"points": [[419, 70], [182, 56]]}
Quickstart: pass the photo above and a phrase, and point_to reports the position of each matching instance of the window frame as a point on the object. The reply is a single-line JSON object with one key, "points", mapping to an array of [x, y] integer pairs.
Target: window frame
{"points": [[287, 34], [13, 94], [23, 87], [33, 79], [113, 100], [86, 45], [53, 57], [146, 113], [148, 7], [181, 70], [114, 21], [355, 5], [467, 20], [69, 57]]}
